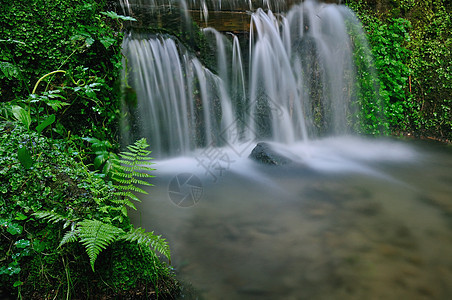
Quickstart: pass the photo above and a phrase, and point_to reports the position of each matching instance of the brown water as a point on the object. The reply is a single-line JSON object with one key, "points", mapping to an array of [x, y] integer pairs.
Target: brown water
{"points": [[367, 223]]}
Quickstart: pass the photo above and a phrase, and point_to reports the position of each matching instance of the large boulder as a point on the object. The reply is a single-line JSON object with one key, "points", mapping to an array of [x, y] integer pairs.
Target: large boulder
{"points": [[266, 154]]}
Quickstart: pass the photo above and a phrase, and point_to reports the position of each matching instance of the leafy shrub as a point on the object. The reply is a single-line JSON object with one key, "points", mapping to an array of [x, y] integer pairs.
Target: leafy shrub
{"points": [[58, 187]]}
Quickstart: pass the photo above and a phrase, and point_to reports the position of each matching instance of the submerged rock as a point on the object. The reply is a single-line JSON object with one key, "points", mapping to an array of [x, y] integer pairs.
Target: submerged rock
{"points": [[266, 154]]}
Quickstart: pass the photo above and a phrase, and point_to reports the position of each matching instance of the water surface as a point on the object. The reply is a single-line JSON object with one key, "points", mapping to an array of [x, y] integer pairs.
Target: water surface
{"points": [[349, 219]]}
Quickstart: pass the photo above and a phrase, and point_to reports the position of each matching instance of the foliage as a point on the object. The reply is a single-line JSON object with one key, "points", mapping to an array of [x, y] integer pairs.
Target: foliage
{"points": [[432, 75], [103, 155], [59, 67], [96, 235], [389, 43], [41, 37], [57, 188], [368, 103], [115, 16], [126, 171], [411, 42]]}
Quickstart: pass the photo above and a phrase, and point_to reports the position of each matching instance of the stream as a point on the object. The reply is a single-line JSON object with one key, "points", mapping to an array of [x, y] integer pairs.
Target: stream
{"points": [[349, 218]]}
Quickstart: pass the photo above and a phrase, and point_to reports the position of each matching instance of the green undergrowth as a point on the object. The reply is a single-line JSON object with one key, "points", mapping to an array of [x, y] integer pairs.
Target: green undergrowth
{"points": [[411, 44], [39, 37], [43, 202], [64, 188]]}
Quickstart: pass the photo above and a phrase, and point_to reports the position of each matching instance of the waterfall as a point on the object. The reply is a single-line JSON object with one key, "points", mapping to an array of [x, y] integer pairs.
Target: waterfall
{"points": [[298, 83]]}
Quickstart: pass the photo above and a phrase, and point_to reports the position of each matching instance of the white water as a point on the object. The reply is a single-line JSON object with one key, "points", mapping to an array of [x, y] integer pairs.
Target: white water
{"points": [[300, 83], [204, 6]]}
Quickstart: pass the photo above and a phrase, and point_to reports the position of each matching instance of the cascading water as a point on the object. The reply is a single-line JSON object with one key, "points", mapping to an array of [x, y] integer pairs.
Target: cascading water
{"points": [[179, 99], [346, 218], [300, 83]]}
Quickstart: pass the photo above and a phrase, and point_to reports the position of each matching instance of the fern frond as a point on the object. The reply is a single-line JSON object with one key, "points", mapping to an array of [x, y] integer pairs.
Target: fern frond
{"points": [[148, 239], [146, 168], [69, 237], [125, 202], [53, 217], [131, 179], [121, 165], [129, 171], [96, 236], [128, 167], [135, 180], [127, 194], [128, 156]]}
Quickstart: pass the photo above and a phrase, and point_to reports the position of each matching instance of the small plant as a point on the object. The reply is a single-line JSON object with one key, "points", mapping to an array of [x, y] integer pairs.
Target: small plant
{"points": [[96, 235], [103, 155], [128, 170]]}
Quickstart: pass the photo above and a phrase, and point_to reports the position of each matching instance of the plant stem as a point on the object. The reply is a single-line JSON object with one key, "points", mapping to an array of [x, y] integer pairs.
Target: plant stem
{"points": [[43, 77]]}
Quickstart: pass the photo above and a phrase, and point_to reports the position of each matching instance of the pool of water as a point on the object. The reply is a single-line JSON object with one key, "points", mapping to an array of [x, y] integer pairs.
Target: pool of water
{"points": [[348, 219]]}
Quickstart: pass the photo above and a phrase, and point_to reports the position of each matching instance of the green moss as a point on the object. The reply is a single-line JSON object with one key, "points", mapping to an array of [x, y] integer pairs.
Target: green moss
{"points": [[126, 266]]}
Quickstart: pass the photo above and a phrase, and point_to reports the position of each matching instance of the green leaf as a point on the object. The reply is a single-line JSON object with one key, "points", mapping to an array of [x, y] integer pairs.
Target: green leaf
{"points": [[148, 239], [48, 121], [22, 115], [99, 160], [20, 216], [107, 41], [14, 228], [115, 16], [89, 41], [52, 217], [124, 211], [107, 167], [17, 283], [128, 169], [13, 268], [56, 104], [9, 70], [24, 157], [22, 243]]}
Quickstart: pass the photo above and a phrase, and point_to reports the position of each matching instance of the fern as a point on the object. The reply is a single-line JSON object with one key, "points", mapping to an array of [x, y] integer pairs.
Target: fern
{"points": [[54, 218], [93, 234], [96, 236], [129, 171], [148, 239], [69, 237]]}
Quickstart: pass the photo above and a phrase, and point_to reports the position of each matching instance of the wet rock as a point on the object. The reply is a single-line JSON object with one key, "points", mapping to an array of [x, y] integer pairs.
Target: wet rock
{"points": [[264, 153]]}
